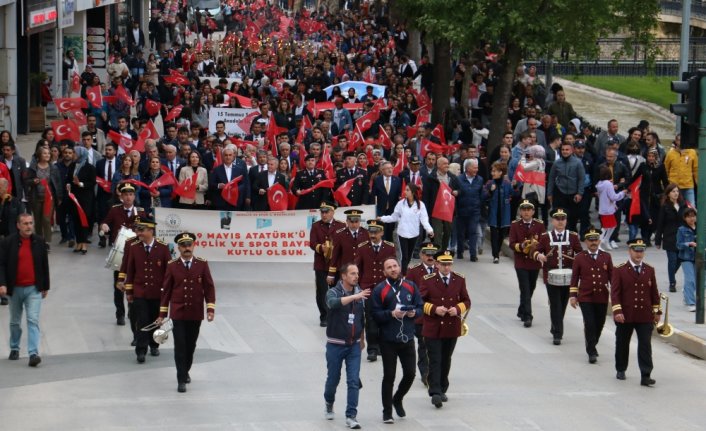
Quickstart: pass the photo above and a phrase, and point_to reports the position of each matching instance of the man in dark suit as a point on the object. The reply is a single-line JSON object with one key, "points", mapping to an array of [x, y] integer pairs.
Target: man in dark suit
{"points": [[171, 160], [307, 178], [359, 192], [263, 182], [223, 174], [17, 167], [105, 168], [285, 152], [135, 38], [261, 166], [386, 189], [24, 276]]}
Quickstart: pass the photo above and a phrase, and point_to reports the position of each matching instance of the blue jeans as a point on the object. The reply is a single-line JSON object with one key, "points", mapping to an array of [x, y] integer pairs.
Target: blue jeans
{"points": [[335, 355], [687, 267], [688, 195], [672, 266], [31, 299], [633, 230]]}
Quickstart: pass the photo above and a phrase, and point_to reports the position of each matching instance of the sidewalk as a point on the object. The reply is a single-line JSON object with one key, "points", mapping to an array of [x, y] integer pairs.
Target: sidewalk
{"points": [[688, 336]]}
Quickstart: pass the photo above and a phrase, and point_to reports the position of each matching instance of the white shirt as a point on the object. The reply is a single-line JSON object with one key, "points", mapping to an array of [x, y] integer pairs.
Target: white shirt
{"points": [[229, 169], [270, 179], [408, 218], [111, 163]]}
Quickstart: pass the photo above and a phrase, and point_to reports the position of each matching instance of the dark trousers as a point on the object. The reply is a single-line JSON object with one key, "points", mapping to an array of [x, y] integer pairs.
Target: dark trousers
{"points": [[371, 329], [594, 315], [389, 230], [146, 311], [527, 280], [584, 208], [422, 355], [618, 218], [566, 202], [497, 235], [185, 334], [623, 333], [406, 248], [467, 230], [390, 352], [558, 299], [440, 351], [119, 301], [321, 289], [64, 220], [442, 233]]}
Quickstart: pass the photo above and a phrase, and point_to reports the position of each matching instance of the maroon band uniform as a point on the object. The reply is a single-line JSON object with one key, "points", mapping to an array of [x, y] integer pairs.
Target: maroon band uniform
{"points": [[526, 268], [319, 234], [345, 248]]}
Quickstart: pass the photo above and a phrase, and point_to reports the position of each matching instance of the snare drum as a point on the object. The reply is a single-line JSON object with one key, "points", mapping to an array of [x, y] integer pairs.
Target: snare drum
{"points": [[115, 257], [559, 277]]}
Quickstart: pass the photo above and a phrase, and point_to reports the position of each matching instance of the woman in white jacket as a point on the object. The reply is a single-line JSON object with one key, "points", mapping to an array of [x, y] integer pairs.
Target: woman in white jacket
{"points": [[409, 213]]}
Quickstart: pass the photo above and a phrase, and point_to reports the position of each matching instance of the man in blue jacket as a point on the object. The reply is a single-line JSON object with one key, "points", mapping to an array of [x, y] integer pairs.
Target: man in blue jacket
{"points": [[396, 302], [468, 204]]}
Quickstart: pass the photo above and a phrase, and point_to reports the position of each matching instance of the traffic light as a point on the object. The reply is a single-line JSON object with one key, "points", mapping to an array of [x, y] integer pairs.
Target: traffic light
{"points": [[688, 110]]}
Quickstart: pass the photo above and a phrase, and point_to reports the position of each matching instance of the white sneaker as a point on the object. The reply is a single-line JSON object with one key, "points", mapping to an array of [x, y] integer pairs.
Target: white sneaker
{"points": [[352, 424], [614, 244], [692, 308], [329, 412]]}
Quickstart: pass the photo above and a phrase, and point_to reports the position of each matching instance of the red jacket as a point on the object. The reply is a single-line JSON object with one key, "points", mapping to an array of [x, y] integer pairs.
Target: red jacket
{"points": [[370, 264], [319, 234], [345, 248], [145, 273], [184, 291], [519, 233], [635, 295], [435, 294], [590, 278], [552, 251]]}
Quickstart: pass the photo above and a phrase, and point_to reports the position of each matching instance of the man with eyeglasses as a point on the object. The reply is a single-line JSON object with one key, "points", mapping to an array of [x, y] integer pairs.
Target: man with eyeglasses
{"points": [[590, 289], [396, 302]]}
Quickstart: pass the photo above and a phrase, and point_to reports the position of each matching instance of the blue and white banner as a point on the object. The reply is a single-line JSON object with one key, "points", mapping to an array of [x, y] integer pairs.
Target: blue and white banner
{"points": [[359, 86]]}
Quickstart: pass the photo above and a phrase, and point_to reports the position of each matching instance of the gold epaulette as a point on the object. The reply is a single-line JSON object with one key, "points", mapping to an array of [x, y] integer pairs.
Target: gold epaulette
{"points": [[517, 220], [622, 264], [117, 205], [545, 233], [389, 243], [174, 260], [341, 230], [538, 220], [414, 266], [573, 233], [460, 275], [362, 243], [201, 259], [428, 276], [161, 242]]}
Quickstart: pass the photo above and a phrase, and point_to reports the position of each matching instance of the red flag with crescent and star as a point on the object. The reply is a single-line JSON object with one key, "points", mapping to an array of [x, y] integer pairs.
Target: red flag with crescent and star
{"points": [[366, 121], [152, 107], [277, 197], [66, 129], [187, 188], [125, 142], [230, 192], [48, 198], [341, 193], [445, 203], [95, 96]]}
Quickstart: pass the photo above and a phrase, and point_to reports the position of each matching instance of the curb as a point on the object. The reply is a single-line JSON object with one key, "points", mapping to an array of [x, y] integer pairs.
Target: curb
{"points": [[656, 109], [684, 341]]}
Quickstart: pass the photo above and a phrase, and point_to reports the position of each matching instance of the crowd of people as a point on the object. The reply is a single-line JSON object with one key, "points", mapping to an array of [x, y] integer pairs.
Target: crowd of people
{"points": [[359, 149]]}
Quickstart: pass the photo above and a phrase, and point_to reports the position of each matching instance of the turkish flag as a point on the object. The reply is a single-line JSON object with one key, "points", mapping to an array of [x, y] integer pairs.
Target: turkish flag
{"points": [[110, 100], [423, 114], [439, 133], [423, 98], [218, 157], [95, 96], [356, 141], [277, 197], [66, 129], [48, 198], [321, 184], [104, 184], [384, 138], [531, 177], [167, 179], [246, 123], [635, 196], [122, 94], [75, 83], [149, 132], [445, 203], [326, 163], [341, 193], [125, 142], [81, 213], [6, 174], [366, 121], [400, 164], [271, 136], [245, 102], [187, 188], [79, 117], [152, 107], [302, 157], [230, 192], [177, 79], [174, 113], [68, 104]]}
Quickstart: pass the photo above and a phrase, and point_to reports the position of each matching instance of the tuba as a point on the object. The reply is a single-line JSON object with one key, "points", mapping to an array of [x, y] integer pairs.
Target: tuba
{"points": [[464, 325], [665, 329], [161, 332]]}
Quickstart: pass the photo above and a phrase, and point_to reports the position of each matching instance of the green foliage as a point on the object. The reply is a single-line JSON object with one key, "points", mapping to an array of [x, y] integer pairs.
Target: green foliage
{"points": [[649, 88]]}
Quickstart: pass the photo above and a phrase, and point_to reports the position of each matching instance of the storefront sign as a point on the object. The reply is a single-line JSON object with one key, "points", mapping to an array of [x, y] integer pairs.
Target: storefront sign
{"points": [[67, 8], [40, 16], [233, 236]]}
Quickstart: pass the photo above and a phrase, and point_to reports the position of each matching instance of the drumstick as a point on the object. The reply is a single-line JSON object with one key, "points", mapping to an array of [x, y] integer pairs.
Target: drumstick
{"points": [[567, 256]]}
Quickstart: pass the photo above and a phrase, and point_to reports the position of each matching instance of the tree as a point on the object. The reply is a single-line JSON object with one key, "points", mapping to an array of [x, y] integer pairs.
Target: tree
{"points": [[522, 26]]}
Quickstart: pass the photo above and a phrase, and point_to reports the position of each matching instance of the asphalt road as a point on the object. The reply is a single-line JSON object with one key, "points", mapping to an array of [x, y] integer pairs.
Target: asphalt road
{"points": [[260, 365]]}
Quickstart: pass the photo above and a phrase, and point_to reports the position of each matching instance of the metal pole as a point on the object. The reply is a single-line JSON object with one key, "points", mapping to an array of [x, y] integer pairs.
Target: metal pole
{"points": [[701, 200], [684, 46]]}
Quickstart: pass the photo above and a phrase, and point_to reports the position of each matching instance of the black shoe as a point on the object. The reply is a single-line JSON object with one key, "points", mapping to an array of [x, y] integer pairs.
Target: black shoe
{"points": [[4, 300], [397, 404], [322, 323], [557, 341], [592, 359], [436, 400], [672, 287], [425, 381], [101, 242], [496, 260], [140, 358], [474, 258], [72, 243], [120, 320], [620, 375], [528, 323], [188, 378], [14, 355], [444, 398], [133, 343], [387, 418], [181, 387], [459, 257], [34, 360], [372, 357], [154, 351], [63, 241], [646, 381]]}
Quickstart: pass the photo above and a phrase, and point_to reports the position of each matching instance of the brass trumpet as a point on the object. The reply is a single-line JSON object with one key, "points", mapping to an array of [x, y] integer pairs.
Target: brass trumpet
{"points": [[328, 244], [464, 325], [665, 329]]}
